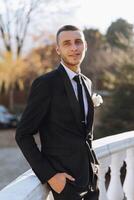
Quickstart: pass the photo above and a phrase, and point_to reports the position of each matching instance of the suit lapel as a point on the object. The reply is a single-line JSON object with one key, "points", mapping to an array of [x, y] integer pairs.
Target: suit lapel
{"points": [[71, 96]]}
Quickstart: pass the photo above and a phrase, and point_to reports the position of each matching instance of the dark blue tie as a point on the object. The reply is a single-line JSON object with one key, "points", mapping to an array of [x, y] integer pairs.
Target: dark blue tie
{"points": [[78, 80]]}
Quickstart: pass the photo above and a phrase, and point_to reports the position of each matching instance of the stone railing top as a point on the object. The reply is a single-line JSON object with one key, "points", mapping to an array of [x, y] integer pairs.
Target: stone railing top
{"points": [[112, 144], [25, 187]]}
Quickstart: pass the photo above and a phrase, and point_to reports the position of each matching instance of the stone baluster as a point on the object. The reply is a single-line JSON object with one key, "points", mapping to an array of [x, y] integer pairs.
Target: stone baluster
{"points": [[129, 180], [104, 164], [115, 190]]}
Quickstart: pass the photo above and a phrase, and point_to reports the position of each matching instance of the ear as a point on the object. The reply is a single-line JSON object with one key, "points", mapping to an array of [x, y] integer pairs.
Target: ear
{"points": [[85, 45], [57, 50]]}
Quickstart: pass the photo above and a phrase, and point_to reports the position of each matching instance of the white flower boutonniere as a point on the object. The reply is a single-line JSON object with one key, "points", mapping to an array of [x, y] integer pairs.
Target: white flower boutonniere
{"points": [[97, 99]]}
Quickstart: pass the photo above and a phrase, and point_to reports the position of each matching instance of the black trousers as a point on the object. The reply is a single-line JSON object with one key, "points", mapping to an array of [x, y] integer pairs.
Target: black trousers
{"points": [[70, 192]]}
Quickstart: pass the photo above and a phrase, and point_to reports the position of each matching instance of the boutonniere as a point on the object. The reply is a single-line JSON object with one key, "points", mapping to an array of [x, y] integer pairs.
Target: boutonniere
{"points": [[97, 100]]}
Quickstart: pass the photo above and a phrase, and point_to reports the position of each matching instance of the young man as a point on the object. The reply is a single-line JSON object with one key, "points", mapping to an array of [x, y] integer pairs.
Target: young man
{"points": [[60, 108]]}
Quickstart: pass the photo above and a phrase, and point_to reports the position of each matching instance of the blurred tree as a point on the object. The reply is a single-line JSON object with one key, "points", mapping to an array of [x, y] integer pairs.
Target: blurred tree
{"points": [[14, 24], [118, 113], [102, 58], [120, 34], [16, 21], [11, 75], [39, 61], [95, 56], [42, 60]]}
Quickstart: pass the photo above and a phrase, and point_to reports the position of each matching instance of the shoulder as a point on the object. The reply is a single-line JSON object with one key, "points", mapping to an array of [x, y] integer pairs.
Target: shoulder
{"points": [[45, 80], [42, 86], [46, 77]]}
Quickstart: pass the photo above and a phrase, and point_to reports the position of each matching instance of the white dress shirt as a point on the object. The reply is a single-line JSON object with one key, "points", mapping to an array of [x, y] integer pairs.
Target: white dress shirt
{"points": [[71, 75]]}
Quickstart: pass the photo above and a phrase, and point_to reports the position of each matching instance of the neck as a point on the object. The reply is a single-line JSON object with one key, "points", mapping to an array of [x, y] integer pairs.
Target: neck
{"points": [[74, 68]]}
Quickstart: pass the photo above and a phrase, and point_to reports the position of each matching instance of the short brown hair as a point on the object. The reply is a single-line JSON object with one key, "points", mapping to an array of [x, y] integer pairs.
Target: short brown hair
{"points": [[66, 28]]}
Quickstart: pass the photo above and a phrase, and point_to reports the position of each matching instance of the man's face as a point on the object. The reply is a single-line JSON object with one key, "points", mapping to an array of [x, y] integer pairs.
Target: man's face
{"points": [[71, 47]]}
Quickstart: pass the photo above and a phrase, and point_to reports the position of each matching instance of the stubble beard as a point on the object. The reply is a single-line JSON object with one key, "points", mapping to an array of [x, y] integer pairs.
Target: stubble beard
{"points": [[72, 64]]}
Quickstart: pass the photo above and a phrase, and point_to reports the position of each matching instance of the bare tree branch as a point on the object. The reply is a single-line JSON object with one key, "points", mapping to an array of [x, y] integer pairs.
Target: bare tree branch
{"points": [[19, 21], [8, 26], [22, 26], [3, 34]]}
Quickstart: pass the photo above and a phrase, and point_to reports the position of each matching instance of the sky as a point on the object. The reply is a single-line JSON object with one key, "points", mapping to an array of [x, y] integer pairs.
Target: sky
{"points": [[83, 13], [100, 14], [90, 13]]}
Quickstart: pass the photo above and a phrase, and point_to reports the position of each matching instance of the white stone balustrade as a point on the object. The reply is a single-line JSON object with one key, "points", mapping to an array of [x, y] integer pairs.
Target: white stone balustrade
{"points": [[115, 190], [112, 151], [129, 188]]}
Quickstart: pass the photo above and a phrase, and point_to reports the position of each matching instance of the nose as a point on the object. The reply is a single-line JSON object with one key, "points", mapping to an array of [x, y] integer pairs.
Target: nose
{"points": [[73, 47]]}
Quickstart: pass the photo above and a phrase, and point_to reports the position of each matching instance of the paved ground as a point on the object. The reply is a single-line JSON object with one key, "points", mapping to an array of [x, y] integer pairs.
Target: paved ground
{"points": [[12, 162]]}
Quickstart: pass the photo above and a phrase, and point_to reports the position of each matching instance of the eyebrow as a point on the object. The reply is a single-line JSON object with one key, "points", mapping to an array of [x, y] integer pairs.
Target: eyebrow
{"points": [[65, 41]]}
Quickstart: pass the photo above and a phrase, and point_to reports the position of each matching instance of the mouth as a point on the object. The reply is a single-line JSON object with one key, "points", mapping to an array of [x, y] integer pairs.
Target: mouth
{"points": [[75, 55]]}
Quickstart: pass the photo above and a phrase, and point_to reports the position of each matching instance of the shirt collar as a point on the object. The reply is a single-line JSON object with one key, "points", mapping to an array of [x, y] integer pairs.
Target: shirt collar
{"points": [[70, 73]]}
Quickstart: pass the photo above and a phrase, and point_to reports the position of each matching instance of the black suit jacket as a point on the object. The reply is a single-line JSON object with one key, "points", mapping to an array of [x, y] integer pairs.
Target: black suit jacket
{"points": [[54, 112]]}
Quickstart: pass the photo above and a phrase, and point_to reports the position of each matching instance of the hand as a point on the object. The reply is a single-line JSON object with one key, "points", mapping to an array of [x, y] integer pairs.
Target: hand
{"points": [[58, 181]]}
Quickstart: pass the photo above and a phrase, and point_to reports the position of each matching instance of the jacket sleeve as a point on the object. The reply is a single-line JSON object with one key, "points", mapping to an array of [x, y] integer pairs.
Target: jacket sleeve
{"points": [[36, 109]]}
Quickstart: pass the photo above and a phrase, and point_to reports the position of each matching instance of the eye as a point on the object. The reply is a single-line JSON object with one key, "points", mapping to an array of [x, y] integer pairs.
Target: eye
{"points": [[78, 42], [66, 44]]}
